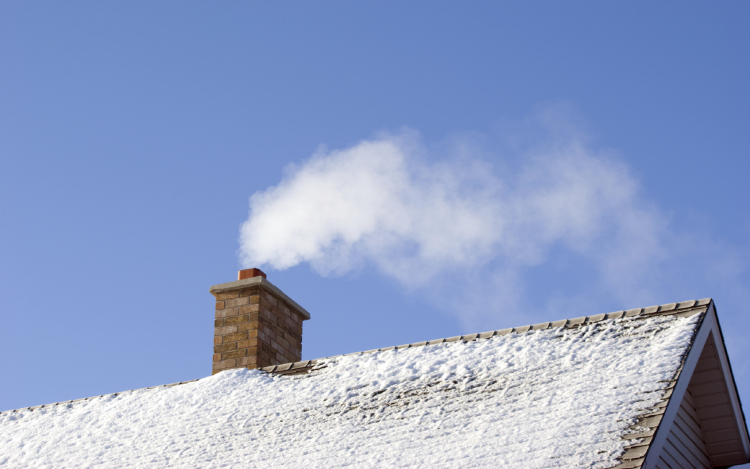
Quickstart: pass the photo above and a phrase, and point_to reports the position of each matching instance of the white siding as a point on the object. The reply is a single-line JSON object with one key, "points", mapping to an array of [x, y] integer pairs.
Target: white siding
{"points": [[685, 447]]}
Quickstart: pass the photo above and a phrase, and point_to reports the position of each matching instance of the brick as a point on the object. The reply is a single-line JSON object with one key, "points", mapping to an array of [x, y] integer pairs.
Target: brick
{"points": [[218, 322], [247, 343], [235, 320], [224, 330], [248, 360], [217, 340], [219, 305], [224, 364], [234, 354], [248, 309], [283, 343], [235, 337], [237, 302], [248, 326], [225, 313], [252, 333], [227, 296], [217, 357], [225, 347]]}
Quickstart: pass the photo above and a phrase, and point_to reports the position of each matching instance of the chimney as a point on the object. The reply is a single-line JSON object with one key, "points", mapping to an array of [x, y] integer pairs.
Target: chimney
{"points": [[256, 324]]}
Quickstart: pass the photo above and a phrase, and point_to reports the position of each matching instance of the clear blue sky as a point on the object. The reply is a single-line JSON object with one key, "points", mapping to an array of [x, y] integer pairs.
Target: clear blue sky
{"points": [[132, 136]]}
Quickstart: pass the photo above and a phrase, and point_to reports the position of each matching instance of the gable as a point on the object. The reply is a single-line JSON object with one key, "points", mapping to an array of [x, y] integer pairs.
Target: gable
{"points": [[703, 425]]}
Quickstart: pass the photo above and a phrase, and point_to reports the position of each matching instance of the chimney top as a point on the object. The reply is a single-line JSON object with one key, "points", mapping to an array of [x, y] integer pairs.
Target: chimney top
{"points": [[250, 273]]}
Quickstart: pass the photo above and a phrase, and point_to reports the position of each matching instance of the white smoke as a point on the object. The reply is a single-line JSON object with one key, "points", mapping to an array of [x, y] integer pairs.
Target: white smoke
{"points": [[390, 202]]}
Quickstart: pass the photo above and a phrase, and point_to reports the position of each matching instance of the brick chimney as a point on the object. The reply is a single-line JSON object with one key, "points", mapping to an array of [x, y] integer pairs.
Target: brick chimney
{"points": [[256, 324]]}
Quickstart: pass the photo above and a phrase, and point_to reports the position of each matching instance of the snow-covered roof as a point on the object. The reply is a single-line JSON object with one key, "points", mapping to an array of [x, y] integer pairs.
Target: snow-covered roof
{"points": [[585, 392]]}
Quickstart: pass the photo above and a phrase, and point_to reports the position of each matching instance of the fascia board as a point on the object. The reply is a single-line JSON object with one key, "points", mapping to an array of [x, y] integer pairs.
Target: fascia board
{"points": [[678, 393]]}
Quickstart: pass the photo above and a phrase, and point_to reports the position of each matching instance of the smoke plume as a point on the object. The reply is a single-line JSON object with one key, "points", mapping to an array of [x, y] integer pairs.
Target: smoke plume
{"points": [[419, 213]]}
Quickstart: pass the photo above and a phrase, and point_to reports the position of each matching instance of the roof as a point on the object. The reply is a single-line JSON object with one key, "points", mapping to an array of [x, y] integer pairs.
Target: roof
{"points": [[591, 391]]}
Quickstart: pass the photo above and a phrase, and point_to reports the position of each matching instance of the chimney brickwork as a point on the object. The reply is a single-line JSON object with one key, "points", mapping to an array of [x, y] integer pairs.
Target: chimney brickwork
{"points": [[256, 324]]}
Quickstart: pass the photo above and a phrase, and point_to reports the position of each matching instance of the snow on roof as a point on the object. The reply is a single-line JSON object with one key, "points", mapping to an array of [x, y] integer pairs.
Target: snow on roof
{"points": [[551, 397]]}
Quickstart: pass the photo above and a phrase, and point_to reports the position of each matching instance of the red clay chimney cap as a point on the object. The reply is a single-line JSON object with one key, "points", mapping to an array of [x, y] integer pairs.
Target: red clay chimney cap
{"points": [[250, 273]]}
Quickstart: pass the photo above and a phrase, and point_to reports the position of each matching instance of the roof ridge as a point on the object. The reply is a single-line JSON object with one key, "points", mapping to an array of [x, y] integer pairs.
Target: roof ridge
{"points": [[673, 309], [684, 307]]}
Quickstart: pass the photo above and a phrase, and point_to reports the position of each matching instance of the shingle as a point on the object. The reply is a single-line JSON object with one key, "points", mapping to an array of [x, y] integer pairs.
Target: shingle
{"points": [[667, 307], [686, 313], [615, 315], [386, 349], [560, 323], [576, 321], [632, 464], [649, 422], [453, 339], [635, 453], [487, 335], [521, 330], [504, 331], [297, 365], [633, 312], [284, 367], [686, 304], [702, 302], [650, 310], [540, 326], [436, 341], [633, 436], [645, 441], [419, 344], [399, 347], [469, 337], [595, 318]]}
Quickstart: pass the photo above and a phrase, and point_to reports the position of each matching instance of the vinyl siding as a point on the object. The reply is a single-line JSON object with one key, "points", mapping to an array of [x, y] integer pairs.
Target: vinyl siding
{"points": [[685, 447]]}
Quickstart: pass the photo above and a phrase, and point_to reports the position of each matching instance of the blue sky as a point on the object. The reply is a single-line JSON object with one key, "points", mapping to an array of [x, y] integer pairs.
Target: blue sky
{"points": [[515, 163]]}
